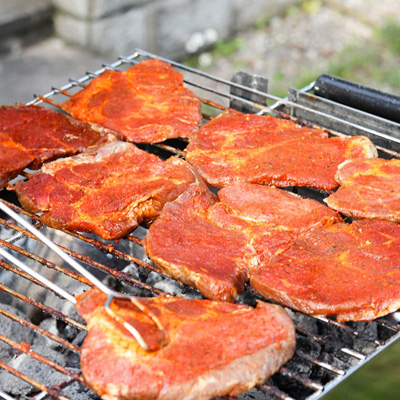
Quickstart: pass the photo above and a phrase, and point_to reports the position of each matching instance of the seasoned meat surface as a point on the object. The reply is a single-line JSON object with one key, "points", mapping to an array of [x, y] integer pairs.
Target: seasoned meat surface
{"points": [[270, 151], [31, 135], [107, 190], [368, 189], [191, 248], [212, 348], [212, 245], [351, 271], [13, 159], [146, 104]]}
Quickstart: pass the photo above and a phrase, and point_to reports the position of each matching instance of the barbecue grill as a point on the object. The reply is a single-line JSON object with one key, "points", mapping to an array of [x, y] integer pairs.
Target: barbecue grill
{"points": [[44, 332]]}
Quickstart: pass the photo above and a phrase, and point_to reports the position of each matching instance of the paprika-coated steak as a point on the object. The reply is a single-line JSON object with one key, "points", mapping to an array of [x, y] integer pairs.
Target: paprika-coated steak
{"points": [[31, 135], [107, 190], [350, 271], [146, 104], [212, 245], [238, 147], [210, 349], [369, 188]]}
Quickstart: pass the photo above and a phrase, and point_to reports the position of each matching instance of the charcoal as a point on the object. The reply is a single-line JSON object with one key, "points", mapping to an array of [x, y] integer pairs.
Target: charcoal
{"points": [[49, 325], [78, 392], [13, 330], [34, 369], [172, 287]]}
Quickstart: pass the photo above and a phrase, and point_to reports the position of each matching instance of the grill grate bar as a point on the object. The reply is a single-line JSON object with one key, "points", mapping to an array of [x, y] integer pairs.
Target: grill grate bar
{"points": [[87, 260], [44, 262], [25, 348], [43, 332], [50, 311], [304, 381], [321, 364], [275, 392], [29, 278], [353, 353], [50, 391]]}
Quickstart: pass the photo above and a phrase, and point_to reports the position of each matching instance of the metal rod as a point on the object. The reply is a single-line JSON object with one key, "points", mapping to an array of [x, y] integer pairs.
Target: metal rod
{"points": [[43, 332], [37, 276], [41, 307]]}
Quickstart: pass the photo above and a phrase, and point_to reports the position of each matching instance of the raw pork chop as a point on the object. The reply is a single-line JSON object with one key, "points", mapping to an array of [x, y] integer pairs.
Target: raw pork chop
{"points": [[146, 104], [31, 135], [212, 245], [348, 270], [270, 151], [213, 348], [107, 190], [369, 189]]}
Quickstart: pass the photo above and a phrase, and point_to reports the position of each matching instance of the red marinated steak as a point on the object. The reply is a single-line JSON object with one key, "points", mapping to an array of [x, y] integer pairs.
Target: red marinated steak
{"points": [[146, 104], [351, 271], [213, 349], [31, 135], [211, 245], [368, 189], [107, 190], [270, 151]]}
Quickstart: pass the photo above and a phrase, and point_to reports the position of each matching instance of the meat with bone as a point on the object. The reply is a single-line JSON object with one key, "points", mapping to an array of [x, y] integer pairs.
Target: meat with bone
{"points": [[368, 189], [350, 271], [31, 135], [205, 354], [146, 104], [270, 151], [107, 190], [212, 245]]}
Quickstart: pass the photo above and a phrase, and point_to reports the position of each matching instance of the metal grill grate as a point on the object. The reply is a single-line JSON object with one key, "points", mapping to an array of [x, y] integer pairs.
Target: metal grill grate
{"points": [[327, 351]]}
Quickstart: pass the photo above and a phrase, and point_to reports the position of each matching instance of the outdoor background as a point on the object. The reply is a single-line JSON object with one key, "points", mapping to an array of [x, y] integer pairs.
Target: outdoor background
{"points": [[358, 40]]}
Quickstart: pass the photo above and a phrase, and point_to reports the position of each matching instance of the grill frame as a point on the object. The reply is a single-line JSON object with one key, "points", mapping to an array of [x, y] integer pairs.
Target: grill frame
{"points": [[297, 107]]}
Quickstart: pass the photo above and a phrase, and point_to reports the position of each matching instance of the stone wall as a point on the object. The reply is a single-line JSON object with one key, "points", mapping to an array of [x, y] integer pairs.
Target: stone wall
{"points": [[170, 28]]}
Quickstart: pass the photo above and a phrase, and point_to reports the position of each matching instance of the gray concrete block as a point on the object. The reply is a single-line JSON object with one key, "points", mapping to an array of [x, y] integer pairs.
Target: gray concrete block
{"points": [[120, 34], [71, 29], [178, 20], [93, 9], [20, 15]]}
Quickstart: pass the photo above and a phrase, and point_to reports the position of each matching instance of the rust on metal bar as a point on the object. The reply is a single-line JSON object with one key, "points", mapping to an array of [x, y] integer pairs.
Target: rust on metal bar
{"points": [[50, 391], [43, 332], [109, 248], [46, 263], [56, 314], [26, 348], [27, 276], [135, 240], [117, 274]]}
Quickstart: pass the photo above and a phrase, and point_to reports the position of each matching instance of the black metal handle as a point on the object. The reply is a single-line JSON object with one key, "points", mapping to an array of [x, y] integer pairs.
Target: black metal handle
{"points": [[358, 96]]}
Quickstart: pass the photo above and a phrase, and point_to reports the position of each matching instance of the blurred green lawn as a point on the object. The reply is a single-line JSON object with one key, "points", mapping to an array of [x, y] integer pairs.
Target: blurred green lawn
{"points": [[377, 380]]}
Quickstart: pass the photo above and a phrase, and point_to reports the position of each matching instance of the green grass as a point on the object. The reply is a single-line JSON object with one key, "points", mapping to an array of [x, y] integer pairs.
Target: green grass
{"points": [[377, 380]]}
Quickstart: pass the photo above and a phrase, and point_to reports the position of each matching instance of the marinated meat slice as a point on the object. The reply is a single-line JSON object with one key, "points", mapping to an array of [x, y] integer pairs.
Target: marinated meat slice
{"points": [[13, 159], [186, 245], [107, 190], [146, 104], [31, 135], [214, 348], [212, 245], [351, 271], [270, 151], [368, 189], [272, 218]]}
